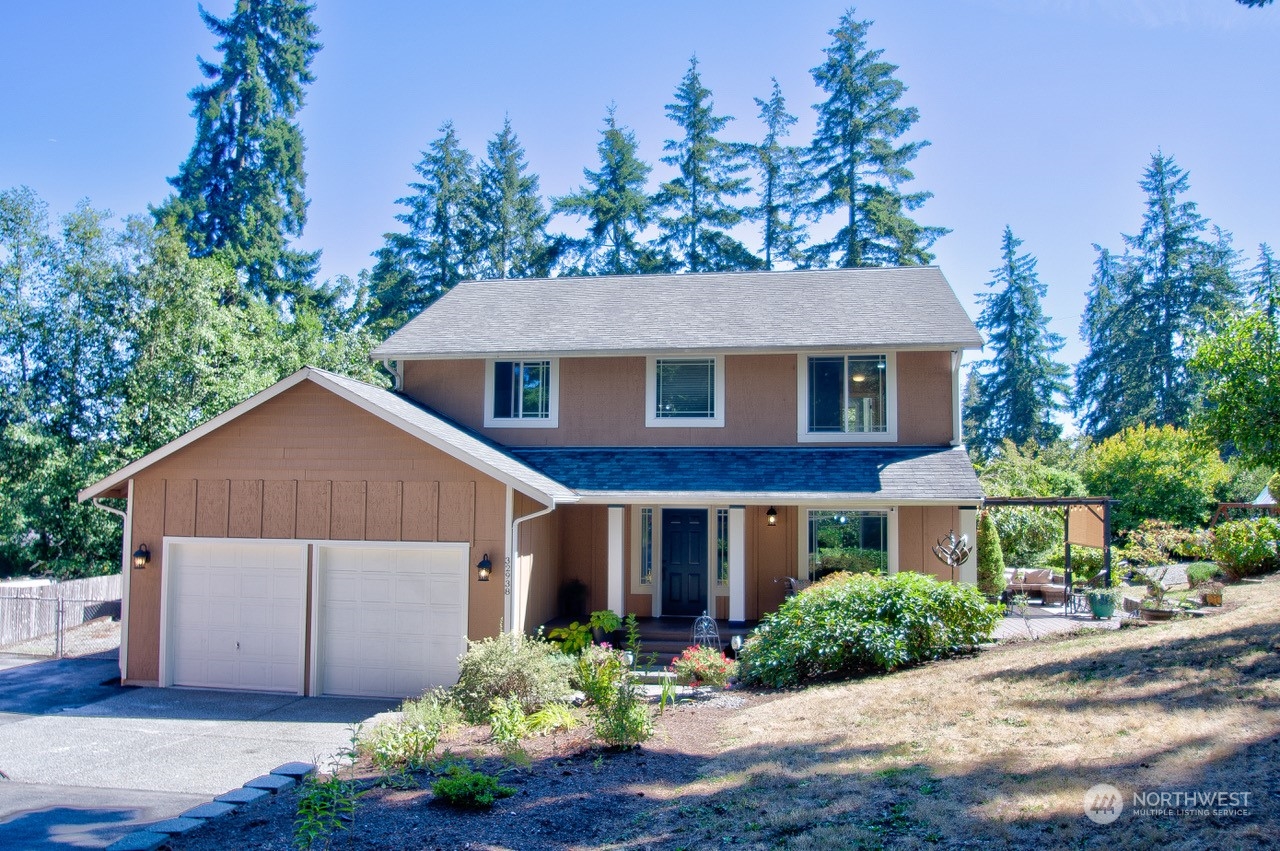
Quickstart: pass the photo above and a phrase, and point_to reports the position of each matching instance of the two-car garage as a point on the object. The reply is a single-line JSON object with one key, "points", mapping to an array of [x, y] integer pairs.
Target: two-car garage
{"points": [[314, 617]]}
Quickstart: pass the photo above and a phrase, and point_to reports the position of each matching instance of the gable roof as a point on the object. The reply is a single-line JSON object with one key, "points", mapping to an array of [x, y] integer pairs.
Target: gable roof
{"points": [[896, 307], [429, 427], [896, 475]]}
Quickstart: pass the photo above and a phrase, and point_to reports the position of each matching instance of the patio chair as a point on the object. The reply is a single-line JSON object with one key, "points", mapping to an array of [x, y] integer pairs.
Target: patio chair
{"points": [[706, 632]]}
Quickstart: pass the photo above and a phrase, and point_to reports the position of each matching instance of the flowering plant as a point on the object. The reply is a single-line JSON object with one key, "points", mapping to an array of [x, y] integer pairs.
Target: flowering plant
{"points": [[701, 665]]}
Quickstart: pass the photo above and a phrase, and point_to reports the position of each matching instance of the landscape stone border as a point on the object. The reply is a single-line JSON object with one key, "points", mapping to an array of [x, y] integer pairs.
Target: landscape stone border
{"points": [[154, 836]]}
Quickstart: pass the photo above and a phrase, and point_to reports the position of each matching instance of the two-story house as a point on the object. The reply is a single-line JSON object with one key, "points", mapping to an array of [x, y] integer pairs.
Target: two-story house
{"points": [[658, 445]]}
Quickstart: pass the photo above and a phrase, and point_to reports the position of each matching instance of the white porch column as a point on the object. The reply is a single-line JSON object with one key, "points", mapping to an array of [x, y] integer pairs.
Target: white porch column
{"points": [[737, 563], [969, 526], [617, 576]]}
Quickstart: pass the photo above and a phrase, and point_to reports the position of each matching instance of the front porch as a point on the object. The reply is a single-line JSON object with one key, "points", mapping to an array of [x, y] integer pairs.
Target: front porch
{"points": [[666, 637]]}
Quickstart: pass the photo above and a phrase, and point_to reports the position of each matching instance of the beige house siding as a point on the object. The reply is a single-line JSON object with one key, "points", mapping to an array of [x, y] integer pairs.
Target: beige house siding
{"points": [[309, 465], [919, 528], [602, 402]]}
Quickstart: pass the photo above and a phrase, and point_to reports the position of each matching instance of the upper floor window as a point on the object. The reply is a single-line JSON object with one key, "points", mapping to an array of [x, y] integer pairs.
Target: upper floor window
{"points": [[521, 393], [684, 392], [847, 397]]}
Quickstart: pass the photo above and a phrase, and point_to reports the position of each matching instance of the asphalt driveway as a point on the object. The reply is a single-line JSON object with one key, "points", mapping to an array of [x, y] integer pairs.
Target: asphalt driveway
{"points": [[85, 761]]}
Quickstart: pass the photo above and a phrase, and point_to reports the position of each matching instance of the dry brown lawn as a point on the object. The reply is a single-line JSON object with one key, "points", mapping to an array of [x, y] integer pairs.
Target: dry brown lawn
{"points": [[993, 751], [999, 750]]}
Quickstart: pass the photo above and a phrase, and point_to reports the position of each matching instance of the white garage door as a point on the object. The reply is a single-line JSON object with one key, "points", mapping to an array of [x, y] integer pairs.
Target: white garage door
{"points": [[235, 614], [391, 621]]}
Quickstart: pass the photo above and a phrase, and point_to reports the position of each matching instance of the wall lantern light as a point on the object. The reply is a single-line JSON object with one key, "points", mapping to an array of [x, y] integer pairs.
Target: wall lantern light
{"points": [[141, 556], [484, 568], [771, 516]]}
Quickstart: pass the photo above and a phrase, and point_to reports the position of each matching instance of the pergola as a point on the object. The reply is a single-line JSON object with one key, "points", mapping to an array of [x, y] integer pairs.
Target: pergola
{"points": [[1092, 526]]}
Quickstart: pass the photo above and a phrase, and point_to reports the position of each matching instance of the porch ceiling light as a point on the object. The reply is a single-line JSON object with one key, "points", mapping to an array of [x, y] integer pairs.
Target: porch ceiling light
{"points": [[484, 568], [858, 377], [141, 556], [772, 516]]}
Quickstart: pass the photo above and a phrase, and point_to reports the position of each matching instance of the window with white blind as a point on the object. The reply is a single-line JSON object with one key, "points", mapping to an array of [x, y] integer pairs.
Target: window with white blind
{"points": [[684, 392]]}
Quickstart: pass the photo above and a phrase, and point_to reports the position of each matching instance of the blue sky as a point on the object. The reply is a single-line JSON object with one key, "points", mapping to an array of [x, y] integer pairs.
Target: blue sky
{"points": [[1042, 113]]}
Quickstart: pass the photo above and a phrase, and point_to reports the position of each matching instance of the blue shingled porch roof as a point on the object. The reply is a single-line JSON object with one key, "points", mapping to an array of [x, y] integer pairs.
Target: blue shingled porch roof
{"points": [[879, 474]]}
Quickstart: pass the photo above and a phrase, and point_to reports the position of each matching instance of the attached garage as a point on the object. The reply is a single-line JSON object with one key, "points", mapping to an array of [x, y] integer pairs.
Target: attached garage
{"points": [[236, 615], [390, 620], [319, 538]]}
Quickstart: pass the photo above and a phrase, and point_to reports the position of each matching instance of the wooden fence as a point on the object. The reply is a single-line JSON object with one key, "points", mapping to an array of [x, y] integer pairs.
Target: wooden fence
{"points": [[34, 612]]}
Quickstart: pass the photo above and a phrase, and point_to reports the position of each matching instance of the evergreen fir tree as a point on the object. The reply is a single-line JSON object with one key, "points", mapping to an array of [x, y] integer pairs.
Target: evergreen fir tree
{"points": [[242, 191], [1108, 378], [1168, 287], [439, 246], [857, 161], [1265, 285], [1023, 386], [697, 212], [782, 182], [513, 239], [616, 205]]}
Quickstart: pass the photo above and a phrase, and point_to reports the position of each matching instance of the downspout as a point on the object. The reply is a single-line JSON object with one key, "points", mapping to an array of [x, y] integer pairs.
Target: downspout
{"points": [[513, 555], [397, 373]]}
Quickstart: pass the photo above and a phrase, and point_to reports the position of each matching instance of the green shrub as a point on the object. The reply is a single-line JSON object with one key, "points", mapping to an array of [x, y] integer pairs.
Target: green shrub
{"points": [[1157, 474], [1086, 563], [625, 722], [605, 620], [703, 666], [1247, 547], [507, 723], [471, 790], [325, 806], [851, 560], [1200, 572], [597, 672], [552, 717], [572, 638], [849, 624], [990, 557], [398, 745], [528, 669], [435, 710], [1157, 542]]}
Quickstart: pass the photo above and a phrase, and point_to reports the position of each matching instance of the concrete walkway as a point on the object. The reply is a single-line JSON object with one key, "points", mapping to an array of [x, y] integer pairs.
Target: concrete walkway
{"points": [[87, 762]]}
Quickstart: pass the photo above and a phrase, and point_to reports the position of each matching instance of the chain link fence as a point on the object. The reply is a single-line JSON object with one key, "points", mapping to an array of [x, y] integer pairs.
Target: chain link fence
{"points": [[53, 621]]}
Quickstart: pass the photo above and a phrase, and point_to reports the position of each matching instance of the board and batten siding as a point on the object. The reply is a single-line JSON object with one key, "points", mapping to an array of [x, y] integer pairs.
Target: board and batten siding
{"points": [[602, 402], [309, 465]]}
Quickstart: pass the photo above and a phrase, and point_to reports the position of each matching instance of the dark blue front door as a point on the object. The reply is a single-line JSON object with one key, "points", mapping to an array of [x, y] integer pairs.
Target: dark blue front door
{"points": [[684, 561]]}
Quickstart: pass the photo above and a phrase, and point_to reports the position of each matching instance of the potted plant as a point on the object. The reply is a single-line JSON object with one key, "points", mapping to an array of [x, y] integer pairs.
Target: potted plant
{"points": [[1102, 602], [1153, 607], [603, 623], [1211, 593]]}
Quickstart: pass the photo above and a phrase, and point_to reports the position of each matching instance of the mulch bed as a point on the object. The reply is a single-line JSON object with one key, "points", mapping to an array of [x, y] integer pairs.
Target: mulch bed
{"points": [[571, 794]]}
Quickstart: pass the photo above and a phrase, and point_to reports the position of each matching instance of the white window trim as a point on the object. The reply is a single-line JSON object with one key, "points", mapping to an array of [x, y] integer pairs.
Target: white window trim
{"points": [[552, 420], [651, 420], [802, 539], [889, 435]]}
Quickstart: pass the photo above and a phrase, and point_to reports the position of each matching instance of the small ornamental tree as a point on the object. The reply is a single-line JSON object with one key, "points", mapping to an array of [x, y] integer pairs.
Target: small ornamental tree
{"points": [[990, 557], [1155, 474]]}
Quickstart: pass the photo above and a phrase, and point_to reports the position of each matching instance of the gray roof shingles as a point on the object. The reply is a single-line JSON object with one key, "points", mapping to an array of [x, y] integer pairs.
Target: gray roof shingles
{"points": [[897, 307], [866, 473]]}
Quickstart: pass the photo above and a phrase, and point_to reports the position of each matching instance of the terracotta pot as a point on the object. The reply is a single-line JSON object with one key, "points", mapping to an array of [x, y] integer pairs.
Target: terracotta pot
{"points": [[1212, 598], [1157, 614]]}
